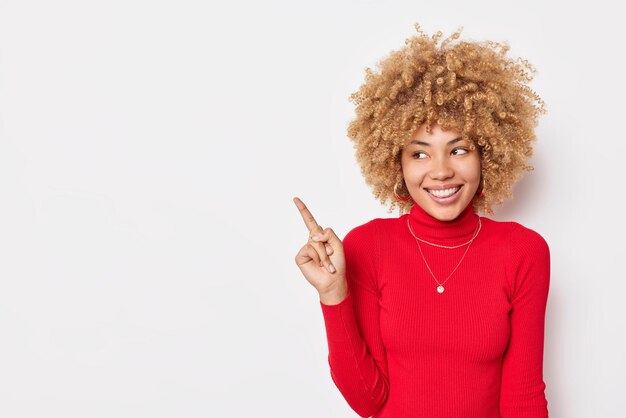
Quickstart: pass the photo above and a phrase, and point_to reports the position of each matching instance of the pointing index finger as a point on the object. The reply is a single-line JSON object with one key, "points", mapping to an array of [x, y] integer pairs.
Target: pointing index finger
{"points": [[308, 218]]}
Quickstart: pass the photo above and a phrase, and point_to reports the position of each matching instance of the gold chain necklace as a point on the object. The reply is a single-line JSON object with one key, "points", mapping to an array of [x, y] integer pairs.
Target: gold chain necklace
{"points": [[440, 288], [442, 246]]}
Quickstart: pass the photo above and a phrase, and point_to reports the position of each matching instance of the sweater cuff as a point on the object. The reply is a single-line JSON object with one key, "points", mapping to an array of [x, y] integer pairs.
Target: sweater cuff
{"points": [[339, 320]]}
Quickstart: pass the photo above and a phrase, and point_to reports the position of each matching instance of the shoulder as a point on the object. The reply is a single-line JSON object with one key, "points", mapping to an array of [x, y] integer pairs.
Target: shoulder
{"points": [[370, 230], [529, 256], [516, 234], [363, 230], [364, 240], [527, 240], [357, 243]]}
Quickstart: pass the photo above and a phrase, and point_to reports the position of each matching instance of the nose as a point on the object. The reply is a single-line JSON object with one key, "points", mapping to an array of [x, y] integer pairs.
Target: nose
{"points": [[441, 169]]}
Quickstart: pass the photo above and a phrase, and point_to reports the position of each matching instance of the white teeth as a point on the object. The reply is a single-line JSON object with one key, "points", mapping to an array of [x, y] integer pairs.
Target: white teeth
{"points": [[444, 193]]}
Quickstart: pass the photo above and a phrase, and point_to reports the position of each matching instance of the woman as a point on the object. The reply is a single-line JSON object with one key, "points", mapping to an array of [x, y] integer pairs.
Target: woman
{"points": [[438, 312]]}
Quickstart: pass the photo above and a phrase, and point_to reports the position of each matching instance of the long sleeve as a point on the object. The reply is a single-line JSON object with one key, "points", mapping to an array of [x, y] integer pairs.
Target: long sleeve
{"points": [[356, 354], [522, 389]]}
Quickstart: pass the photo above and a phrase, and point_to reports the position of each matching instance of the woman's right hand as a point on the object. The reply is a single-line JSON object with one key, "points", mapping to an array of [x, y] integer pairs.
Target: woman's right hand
{"points": [[322, 260]]}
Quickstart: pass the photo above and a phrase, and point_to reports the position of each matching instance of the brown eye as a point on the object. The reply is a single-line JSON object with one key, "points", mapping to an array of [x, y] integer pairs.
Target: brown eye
{"points": [[415, 154], [465, 151]]}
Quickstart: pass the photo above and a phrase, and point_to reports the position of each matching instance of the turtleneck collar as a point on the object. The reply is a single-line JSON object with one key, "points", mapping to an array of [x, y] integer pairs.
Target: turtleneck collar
{"points": [[452, 232]]}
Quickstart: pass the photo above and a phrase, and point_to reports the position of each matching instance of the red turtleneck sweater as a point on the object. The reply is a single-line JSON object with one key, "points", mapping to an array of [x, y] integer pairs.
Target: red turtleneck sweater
{"points": [[400, 349]]}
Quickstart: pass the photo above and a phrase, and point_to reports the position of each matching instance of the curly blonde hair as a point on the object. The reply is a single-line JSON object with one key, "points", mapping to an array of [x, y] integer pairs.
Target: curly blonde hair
{"points": [[471, 87]]}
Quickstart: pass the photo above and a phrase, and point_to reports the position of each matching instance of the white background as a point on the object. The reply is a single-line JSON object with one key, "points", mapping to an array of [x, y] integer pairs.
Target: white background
{"points": [[149, 154]]}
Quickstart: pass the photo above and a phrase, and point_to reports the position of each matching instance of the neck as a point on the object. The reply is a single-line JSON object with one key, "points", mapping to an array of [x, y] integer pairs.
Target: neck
{"points": [[452, 232]]}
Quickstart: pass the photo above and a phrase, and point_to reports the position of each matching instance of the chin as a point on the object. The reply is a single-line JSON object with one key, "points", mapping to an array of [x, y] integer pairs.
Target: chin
{"points": [[445, 215], [446, 212]]}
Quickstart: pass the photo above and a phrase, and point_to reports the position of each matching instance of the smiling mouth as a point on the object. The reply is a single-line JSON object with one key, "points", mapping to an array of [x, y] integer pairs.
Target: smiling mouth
{"points": [[444, 193]]}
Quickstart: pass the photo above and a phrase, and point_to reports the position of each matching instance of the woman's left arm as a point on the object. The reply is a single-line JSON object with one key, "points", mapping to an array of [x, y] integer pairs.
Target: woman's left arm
{"points": [[522, 392]]}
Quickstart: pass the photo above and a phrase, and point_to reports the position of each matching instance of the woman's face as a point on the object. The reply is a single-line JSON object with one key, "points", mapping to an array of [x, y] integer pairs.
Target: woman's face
{"points": [[441, 172]]}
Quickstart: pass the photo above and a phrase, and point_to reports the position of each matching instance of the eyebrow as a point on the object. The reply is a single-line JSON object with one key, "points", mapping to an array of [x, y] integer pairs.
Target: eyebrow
{"points": [[452, 141]]}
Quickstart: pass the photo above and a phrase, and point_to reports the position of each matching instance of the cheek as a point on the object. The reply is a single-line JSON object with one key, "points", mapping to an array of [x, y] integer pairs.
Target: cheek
{"points": [[473, 172], [412, 174]]}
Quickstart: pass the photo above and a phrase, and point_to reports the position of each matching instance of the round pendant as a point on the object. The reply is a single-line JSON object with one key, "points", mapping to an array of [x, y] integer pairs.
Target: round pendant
{"points": [[440, 289]]}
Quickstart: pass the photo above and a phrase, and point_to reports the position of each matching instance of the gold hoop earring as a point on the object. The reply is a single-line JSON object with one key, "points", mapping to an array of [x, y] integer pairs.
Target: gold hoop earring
{"points": [[395, 193], [480, 192]]}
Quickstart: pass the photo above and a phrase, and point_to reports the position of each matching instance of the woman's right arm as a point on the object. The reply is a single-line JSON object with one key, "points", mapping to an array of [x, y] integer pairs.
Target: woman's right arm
{"points": [[356, 354]]}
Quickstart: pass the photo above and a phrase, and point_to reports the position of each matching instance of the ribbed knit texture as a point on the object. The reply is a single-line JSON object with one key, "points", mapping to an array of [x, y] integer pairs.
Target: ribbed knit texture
{"points": [[399, 349]]}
